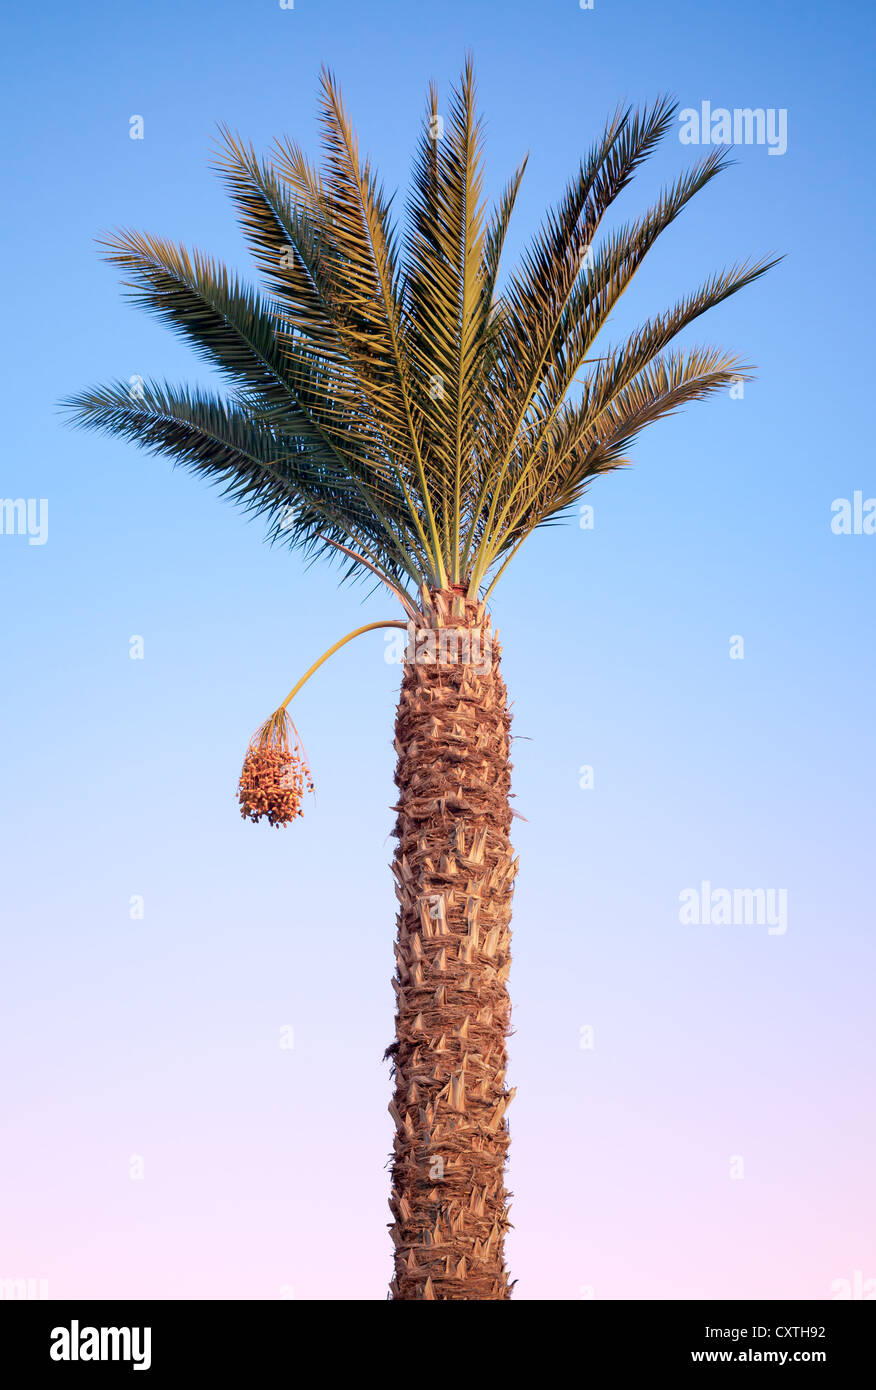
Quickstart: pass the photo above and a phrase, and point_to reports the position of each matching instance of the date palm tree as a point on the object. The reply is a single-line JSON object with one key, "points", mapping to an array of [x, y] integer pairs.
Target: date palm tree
{"points": [[394, 404]]}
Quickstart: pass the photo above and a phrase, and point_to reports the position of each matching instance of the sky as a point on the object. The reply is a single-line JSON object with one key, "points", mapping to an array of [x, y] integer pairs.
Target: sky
{"points": [[694, 1114]]}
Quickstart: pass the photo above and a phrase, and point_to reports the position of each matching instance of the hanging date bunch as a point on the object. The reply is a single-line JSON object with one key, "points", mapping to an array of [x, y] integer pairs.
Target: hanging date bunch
{"points": [[275, 773]]}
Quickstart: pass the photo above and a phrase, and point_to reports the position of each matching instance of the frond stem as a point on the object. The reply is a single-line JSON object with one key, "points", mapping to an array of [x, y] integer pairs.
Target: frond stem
{"points": [[363, 560]]}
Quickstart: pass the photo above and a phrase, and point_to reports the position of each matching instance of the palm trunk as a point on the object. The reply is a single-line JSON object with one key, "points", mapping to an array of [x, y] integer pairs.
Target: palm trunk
{"points": [[454, 872]]}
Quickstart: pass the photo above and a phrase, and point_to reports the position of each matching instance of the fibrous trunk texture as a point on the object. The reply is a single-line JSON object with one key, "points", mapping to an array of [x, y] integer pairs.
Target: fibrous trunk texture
{"points": [[454, 871]]}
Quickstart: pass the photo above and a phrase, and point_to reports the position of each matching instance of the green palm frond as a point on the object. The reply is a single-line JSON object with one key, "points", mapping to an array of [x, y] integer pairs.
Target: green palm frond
{"points": [[300, 487], [390, 400], [537, 466], [662, 387], [286, 240]]}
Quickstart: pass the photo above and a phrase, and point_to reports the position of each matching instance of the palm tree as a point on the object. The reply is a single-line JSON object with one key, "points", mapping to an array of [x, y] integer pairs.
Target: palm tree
{"points": [[392, 406]]}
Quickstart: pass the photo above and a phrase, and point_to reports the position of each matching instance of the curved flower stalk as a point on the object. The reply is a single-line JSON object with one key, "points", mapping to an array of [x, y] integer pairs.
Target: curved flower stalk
{"points": [[275, 771]]}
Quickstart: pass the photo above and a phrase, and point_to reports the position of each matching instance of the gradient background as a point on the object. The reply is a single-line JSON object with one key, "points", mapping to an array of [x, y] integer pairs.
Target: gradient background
{"points": [[264, 1168]]}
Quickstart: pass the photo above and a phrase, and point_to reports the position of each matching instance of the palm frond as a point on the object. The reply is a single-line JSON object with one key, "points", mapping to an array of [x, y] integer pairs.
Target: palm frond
{"points": [[660, 388], [295, 483], [449, 296]]}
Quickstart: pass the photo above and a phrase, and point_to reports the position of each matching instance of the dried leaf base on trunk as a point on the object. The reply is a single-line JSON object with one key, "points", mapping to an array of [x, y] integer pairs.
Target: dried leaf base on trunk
{"points": [[454, 871]]}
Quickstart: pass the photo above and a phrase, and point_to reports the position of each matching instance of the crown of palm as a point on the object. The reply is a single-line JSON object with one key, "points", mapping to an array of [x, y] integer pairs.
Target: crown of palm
{"points": [[388, 399]]}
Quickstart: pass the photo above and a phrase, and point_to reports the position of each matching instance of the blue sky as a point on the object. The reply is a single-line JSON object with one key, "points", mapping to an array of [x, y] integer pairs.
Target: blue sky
{"points": [[121, 774]]}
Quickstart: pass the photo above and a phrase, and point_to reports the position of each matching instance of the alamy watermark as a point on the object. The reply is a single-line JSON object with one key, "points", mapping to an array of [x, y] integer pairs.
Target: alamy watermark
{"points": [[20, 1289], [75, 1343], [855, 1288], [734, 907], [25, 516], [744, 125], [853, 516], [443, 646]]}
